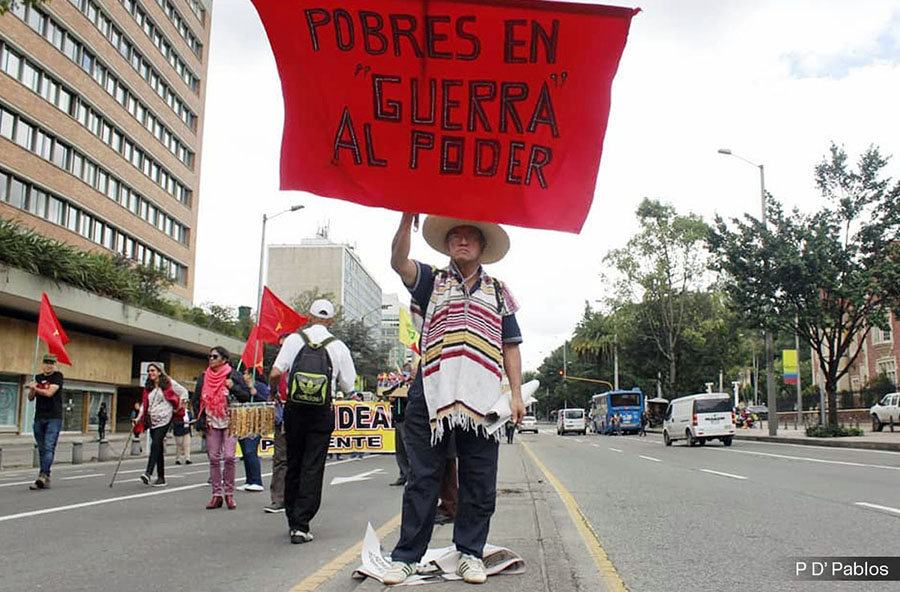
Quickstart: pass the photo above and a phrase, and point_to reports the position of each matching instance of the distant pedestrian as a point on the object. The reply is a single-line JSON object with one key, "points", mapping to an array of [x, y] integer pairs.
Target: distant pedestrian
{"points": [[181, 429], [136, 434], [46, 390], [259, 393], [279, 455], [510, 431], [398, 412], [316, 363], [160, 403], [357, 398], [645, 420], [102, 418], [217, 386]]}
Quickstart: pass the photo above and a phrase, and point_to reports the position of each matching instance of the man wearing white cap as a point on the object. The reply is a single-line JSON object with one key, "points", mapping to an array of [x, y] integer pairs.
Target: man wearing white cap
{"points": [[318, 363], [469, 337]]}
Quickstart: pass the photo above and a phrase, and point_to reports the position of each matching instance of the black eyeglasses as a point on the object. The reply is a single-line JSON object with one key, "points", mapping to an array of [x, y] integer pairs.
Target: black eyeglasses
{"points": [[214, 356]]}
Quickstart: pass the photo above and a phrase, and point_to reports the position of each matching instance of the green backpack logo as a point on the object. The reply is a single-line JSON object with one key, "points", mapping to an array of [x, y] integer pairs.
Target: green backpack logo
{"points": [[310, 379]]}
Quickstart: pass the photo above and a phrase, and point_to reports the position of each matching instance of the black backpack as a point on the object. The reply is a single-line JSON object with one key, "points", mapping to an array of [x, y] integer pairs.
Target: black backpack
{"points": [[310, 377]]}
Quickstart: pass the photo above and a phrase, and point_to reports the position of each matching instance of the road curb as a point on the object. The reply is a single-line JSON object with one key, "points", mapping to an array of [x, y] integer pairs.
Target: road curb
{"points": [[830, 443]]}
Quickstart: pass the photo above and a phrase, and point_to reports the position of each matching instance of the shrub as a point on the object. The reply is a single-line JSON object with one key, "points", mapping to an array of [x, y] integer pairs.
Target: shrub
{"points": [[827, 431]]}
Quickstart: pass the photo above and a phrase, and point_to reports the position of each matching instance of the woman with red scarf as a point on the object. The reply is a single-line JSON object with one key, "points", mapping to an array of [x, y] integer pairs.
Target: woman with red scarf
{"points": [[216, 387]]}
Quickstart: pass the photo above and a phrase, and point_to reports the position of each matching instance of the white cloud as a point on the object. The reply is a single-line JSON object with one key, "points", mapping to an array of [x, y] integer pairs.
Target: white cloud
{"points": [[695, 76]]}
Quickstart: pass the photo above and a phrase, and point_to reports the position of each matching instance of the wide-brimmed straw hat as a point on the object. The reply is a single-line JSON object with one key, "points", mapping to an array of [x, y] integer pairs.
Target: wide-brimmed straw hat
{"points": [[496, 241]]}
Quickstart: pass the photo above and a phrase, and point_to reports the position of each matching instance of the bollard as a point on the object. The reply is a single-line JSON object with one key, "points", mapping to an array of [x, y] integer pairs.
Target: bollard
{"points": [[103, 452], [891, 417], [1, 458], [36, 458], [77, 453], [135, 446]]}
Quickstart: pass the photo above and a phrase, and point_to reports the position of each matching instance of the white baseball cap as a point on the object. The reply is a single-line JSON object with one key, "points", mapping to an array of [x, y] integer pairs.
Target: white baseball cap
{"points": [[322, 309]]}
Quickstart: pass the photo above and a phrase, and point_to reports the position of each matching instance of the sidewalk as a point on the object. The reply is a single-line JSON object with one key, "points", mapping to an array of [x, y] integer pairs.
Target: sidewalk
{"points": [[884, 440], [16, 451], [531, 520]]}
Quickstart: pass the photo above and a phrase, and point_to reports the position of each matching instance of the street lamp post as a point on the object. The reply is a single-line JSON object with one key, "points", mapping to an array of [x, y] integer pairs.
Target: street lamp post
{"points": [[770, 354], [262, 254]]}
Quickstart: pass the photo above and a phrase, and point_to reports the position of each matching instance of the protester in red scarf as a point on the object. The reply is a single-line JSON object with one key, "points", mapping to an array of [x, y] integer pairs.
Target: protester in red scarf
{"points": [[216, 387]]}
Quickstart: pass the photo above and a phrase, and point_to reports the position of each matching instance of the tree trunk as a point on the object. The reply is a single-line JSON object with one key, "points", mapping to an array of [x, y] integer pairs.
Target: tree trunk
{"points": [[831, 392]]}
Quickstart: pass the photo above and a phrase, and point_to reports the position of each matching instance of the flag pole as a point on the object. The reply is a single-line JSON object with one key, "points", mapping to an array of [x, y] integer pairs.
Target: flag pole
{"points": [[37, 351]]}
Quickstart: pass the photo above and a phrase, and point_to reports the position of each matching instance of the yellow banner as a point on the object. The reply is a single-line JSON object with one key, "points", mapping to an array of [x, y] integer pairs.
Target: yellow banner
{"points": [[362, 426], [408, 334]]}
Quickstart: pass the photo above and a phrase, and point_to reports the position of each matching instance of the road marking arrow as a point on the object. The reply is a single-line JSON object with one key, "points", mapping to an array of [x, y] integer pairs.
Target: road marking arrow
{"points": [[361, 477]]}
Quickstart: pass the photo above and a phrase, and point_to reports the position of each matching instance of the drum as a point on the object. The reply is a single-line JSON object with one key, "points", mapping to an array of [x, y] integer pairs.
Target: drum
{"points": [[251, 419]]}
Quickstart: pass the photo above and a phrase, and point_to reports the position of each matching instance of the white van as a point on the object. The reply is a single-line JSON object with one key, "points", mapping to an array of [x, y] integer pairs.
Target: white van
{"points": [[698, 418], [570, 420]]}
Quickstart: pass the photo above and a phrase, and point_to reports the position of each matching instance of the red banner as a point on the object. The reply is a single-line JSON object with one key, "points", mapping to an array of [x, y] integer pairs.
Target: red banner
{"points": [[478, 109], [276, 318]]}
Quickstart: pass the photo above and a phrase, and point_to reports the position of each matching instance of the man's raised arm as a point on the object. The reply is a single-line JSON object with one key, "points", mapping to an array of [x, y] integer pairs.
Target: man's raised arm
{"points": [[400, 261]]}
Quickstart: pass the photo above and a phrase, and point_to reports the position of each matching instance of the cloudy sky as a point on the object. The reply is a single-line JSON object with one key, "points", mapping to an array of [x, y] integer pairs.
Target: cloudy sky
{"points": [[775, 81]]}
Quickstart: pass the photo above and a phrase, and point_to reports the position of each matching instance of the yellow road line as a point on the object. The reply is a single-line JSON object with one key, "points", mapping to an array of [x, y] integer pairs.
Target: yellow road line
{"points": [[329, 570], [608, 574]]}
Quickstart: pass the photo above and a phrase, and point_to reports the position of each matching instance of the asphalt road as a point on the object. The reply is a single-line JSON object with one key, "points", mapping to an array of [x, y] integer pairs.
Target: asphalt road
{"points": [[716, 518], [669, 518]]}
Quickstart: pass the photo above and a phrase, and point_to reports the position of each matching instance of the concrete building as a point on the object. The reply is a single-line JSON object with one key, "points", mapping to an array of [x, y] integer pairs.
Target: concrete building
{"points": [[101, 121], [390, 329], [320, 264]]}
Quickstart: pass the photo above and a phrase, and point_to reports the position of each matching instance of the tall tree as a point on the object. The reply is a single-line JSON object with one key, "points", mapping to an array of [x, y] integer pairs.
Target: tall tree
{"points": [[831, 275], [661, 266]]}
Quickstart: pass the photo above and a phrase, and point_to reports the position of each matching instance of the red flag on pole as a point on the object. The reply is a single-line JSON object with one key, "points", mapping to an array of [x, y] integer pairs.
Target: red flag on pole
{"points": [[276, 318], [51, 331], [474, 109], [254, 345]]}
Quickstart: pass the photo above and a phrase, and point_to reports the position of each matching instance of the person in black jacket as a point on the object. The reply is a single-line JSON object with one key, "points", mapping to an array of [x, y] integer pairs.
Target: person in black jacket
{"points": [[218, 386], [102, 418]]}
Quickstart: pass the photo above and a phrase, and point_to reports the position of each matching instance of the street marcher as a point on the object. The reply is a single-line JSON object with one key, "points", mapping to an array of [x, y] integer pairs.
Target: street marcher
{"points": [[160, 403], [458, 384], [259, 393], [316, 362], [181, 429], [46, 390], [357, 397], [398, 412], [645, 419], [102, 418], [217, 386], [279, 454]]}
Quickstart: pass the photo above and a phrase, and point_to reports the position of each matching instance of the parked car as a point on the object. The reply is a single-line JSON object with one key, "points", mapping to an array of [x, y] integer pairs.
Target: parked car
{"points": [[529, 424], [761, 411], [885, 411]]}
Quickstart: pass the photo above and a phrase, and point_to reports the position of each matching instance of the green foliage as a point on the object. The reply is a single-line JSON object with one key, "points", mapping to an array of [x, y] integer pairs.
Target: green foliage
{"points": [[835, 271], [111, 276], [829, 431], [7, 5]]}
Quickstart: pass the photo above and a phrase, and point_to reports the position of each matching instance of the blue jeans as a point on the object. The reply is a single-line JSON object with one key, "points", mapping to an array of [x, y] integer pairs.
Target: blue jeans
{"points": [[46, 433], [250, 452]]}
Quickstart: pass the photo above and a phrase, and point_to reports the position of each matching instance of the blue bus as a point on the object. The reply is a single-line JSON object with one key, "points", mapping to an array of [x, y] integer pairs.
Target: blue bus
{"points": [[628, 404]]}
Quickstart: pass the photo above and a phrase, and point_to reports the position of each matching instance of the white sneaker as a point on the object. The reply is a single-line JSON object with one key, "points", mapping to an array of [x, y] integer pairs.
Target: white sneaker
{"points": [[253, 487], [398, 572], [471, 569]]}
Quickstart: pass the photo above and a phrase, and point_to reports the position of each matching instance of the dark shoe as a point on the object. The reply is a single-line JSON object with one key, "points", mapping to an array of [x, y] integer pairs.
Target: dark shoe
{"points": [[42, 482], [177, 462], [188, 462], [145, 479], [400, 481], [229, 501], [298, 537], [159, 483], [215, 502], [273, 508]]}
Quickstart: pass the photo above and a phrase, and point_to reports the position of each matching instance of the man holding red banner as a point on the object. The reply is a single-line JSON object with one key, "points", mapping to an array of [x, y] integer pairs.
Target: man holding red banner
{"points": [[469, 337], [46, 391]]}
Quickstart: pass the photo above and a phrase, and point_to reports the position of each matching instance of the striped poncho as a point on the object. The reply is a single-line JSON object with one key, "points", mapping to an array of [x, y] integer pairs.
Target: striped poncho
{"points": [[462, 349]]}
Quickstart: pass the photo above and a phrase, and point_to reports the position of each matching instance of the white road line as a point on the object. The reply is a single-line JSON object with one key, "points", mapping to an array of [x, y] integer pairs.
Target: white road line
{"points": [[595, 445], [617, 450], [711, 472], [650, 458], [110, 500], [877, 507], [808, 459], [579, 441], [83, 476], [17, 483]]}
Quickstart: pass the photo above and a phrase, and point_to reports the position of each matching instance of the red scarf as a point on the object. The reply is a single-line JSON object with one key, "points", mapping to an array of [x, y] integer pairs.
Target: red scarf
{"points": [[214, 396]]}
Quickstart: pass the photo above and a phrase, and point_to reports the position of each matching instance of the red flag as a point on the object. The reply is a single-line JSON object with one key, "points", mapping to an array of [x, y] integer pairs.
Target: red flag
{"points": [[475, 109], [254, 345], [276, 318], [51, 331]]}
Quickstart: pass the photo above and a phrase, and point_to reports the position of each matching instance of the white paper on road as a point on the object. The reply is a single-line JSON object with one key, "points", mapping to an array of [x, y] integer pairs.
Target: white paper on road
{"points": [[438, 565]]}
